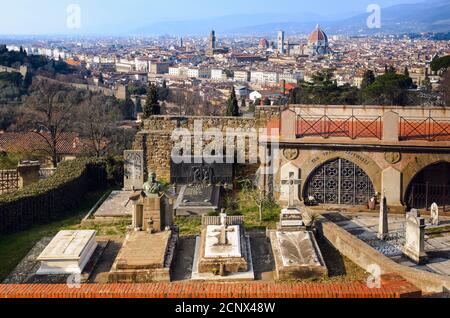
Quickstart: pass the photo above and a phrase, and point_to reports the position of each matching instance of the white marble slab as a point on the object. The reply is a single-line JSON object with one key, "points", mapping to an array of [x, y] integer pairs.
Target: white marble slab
{"points": [[297, 249], [232, 249], [67, 253], [241, 276]]}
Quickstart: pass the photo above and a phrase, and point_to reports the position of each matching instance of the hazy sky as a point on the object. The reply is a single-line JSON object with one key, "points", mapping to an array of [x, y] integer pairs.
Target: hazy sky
{"points": [[109, 16]]}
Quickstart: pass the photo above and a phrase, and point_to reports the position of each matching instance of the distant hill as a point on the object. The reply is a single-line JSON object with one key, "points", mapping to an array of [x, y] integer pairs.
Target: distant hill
{"points": [[427, 16]]}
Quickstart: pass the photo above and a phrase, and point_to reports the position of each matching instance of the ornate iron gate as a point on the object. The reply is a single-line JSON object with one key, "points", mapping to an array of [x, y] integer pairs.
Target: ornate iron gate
{"points": [[9, 181], [340, 182]]}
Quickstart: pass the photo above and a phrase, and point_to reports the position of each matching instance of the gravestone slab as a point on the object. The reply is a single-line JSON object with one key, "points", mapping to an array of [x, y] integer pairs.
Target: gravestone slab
{"points": [[133, 170], [297, 255], [415, 237], [67, 253], [198, 200], [117, 205], [202, 173], [435, 214]]}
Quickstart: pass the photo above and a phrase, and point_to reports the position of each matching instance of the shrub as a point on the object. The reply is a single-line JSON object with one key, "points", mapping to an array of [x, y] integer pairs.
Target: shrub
{"points": [[53, 198]]}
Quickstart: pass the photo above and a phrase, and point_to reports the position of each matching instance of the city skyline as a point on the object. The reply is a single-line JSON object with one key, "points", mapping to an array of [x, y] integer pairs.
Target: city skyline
{"points": [[139, 16]]}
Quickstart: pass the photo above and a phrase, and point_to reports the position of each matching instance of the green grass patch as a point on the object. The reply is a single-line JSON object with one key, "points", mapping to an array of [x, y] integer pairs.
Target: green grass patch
{"points": [[14, 247], [189, 225], [244, 202], [437, 230]]}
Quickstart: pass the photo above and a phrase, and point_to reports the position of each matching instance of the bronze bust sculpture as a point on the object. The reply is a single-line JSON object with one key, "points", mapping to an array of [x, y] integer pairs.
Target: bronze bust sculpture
{"points": [[152, 186]]}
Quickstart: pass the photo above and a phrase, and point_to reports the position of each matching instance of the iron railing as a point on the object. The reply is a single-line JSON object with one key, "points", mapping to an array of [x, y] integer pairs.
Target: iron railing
{"points": [[9, 181], [339, 126], [430, 129], [423, 195]]}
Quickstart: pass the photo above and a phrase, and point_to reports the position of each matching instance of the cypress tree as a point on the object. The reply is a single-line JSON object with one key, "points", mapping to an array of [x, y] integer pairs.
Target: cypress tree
{"points": [[152, 106], [232, 104]]}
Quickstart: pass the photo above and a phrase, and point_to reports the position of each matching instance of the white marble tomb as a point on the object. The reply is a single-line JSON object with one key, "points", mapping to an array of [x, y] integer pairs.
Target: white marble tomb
{"points": [[212, 247], [67, 253]]}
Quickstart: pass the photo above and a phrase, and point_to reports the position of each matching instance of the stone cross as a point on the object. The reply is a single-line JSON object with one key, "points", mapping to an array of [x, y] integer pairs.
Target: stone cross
{"points": [[383, 226], [415, 237], [434, 214], [223, 240], [292, 183]]}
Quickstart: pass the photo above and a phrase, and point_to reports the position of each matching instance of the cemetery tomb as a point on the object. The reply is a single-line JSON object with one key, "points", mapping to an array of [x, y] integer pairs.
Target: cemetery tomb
{"points": [[223, 251], [67, 253]]}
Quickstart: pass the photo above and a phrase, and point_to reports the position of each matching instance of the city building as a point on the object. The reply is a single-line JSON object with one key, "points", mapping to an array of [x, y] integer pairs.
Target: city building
{"points": [[318, 42]]}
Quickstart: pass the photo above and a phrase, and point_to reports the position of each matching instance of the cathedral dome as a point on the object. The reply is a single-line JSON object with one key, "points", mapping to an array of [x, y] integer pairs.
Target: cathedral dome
{"points": [[263, 44], [317, 35]]}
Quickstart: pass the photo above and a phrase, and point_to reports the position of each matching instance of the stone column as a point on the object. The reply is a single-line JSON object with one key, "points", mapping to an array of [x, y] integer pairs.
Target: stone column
{"points": [[28, 173], [391, 124], [415, 237], [391, 182], [383, 227], [288, 125]]}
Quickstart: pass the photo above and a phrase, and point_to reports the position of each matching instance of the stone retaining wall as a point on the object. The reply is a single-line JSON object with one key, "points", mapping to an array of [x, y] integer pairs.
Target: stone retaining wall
{"points": [[365, 256], [155, 139]]}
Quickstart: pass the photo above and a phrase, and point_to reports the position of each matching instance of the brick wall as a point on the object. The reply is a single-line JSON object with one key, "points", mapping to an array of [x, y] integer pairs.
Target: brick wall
{"points": [[392, 287], [155, 139]]}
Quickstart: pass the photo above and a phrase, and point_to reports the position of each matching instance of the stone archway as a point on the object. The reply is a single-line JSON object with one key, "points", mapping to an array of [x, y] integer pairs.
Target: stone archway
{"points": [[339, 181], [419, 163], [369, 166], [429, 185]]}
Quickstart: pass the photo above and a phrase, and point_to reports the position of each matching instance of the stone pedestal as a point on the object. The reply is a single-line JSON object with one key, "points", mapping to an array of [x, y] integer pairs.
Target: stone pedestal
{"points": [[291, 220], [148, 213], [67, 253], [28, 173]]}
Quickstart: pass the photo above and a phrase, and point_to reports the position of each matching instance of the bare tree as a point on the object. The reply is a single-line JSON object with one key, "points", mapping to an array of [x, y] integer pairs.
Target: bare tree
{"points": [[48, 112], [97, 117], [255, 194]]}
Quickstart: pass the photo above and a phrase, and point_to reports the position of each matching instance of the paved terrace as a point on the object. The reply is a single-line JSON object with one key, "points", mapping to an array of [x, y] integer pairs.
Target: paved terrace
{"points": [[366, 228]]}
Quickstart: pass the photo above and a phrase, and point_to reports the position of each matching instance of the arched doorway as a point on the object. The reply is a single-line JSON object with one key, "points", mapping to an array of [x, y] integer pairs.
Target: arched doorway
{"points": [[430, 185], [339, 181]]}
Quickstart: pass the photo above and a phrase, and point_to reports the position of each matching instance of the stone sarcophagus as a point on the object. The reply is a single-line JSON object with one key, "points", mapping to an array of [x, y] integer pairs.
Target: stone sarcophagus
{"points": [[223, 249]]}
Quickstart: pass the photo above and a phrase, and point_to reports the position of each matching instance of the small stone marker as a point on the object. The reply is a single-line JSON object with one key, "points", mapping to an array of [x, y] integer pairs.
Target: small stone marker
{"points": [[415, 237], [292, 183], [133, 170], [434, 214], [383, 227]]}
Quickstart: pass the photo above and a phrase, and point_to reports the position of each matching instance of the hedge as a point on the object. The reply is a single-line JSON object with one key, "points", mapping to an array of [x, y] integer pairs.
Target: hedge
{"points": [[55, 197]]}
